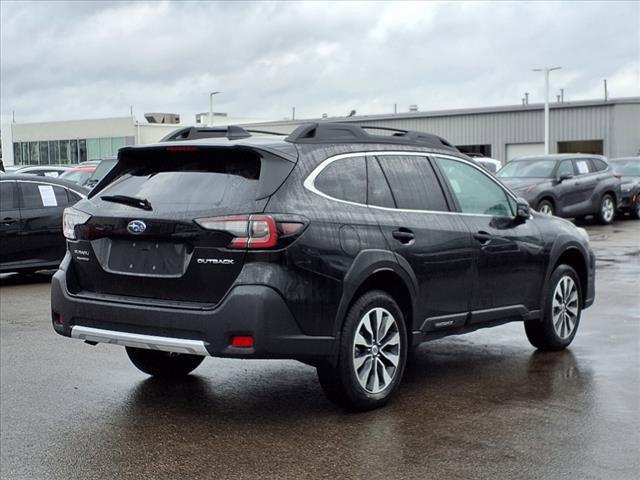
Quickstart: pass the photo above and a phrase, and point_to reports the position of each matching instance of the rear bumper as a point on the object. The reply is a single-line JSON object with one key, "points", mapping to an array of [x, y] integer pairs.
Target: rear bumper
{"points": [[255, 310]]}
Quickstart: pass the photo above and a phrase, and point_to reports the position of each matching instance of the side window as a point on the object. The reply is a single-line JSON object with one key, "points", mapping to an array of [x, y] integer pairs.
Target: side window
{"points": [[378, 193], [39, 195], [475, 191], [8, 195], [413, 183], [598, 164], [345, 179], [583, 166], [565, 168], [72, 197]]}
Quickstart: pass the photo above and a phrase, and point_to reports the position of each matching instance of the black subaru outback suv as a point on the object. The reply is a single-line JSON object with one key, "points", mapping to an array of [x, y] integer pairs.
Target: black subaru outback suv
{"points": [[334, 246]]}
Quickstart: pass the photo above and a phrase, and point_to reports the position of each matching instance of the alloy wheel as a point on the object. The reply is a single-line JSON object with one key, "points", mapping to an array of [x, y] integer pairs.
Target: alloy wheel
{"points": [[565, 307], [376, 350], [607, 209], [546, 209]]}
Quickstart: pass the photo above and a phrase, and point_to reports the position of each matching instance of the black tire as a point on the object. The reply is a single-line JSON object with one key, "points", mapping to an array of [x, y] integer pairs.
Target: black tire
{"points": [[542, 333], [607, 211], [163, 364], [635, 213], [340, 381], [546, 206]]}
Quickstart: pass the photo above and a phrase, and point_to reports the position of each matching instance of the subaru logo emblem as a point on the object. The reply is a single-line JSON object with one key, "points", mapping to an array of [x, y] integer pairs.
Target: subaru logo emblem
{"points": [[136, 227]]}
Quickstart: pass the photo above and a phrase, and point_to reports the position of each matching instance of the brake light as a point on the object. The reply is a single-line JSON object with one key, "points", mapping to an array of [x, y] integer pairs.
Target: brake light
{"points": [[182, 149], [249, 231]]}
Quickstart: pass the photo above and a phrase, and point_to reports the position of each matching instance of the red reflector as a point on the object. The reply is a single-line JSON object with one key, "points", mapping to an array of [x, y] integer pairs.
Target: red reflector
{"points": [[57, 319], [182, 149], [242, 341]]}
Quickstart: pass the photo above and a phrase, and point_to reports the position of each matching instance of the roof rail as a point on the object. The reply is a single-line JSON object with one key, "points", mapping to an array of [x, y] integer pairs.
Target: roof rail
{"points": [[232, 132], [350, 133]]}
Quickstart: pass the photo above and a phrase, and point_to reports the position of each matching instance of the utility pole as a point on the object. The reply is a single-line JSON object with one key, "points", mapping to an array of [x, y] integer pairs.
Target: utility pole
{"points": [[293, 113], [546, 71], [606, 92], [211, 107]]}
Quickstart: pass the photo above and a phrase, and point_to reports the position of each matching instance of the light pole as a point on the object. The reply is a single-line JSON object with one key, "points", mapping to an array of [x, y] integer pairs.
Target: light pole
{"points": [[211, 107], [546, 71]]}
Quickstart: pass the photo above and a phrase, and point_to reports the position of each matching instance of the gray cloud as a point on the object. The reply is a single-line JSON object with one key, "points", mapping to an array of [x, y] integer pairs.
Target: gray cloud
{"points": [[81, 60]]}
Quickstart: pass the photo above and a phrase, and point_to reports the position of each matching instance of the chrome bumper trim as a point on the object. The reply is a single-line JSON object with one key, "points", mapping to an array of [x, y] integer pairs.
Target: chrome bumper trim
{"points": [[151, 342]]}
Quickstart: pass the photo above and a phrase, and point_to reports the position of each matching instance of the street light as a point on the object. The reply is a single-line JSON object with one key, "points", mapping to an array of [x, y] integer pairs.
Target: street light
{"points": [[211, 107], [546, 71]]}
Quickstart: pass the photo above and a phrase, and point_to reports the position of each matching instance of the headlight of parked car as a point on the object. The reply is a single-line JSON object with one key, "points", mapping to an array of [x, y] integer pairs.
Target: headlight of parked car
{"points": [[70, 218]]}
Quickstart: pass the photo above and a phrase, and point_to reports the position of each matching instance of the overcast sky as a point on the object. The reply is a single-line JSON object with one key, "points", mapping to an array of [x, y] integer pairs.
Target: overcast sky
{"points": [[86, 60]]}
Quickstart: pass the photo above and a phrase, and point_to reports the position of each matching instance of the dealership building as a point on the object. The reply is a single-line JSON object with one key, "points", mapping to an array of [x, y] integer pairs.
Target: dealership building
{"points": [[607, 127]]}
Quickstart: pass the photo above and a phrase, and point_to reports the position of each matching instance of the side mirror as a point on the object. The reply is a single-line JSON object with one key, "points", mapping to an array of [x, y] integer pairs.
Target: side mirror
{"points": [[564, 177], [523, 210]]}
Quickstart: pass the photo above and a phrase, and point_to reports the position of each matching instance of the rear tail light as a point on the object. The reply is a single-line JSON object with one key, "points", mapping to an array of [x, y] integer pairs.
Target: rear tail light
{"points": [[253, 231], [71, 218], [617, 175]]}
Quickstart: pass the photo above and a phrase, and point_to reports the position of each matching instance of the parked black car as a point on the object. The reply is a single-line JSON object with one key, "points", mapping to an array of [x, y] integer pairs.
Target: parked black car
{"points": [[31, 221], [629, 169], [566, 185], [332, 246]]}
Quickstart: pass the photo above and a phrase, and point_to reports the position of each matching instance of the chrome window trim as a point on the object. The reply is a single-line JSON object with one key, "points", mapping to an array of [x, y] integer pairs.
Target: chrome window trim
{"points": [[309, 182], [137, 340]]}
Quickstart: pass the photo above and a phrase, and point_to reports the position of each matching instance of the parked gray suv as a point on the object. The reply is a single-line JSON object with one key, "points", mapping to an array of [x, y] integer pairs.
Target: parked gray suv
{"points": [[566, 185]]}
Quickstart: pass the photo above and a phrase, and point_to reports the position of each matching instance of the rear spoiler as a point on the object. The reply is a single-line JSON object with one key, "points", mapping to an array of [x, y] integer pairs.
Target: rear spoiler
{"points": [[278, 164]]}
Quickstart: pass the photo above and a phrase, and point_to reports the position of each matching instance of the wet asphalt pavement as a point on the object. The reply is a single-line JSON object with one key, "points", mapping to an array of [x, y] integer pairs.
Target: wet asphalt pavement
{"points": [[482, 405]]}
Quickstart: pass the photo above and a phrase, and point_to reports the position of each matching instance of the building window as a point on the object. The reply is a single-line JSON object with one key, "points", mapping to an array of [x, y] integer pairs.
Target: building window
{"points": [[475, 150], [82, 149], [34, 153], [581, 146], [17, 154]]}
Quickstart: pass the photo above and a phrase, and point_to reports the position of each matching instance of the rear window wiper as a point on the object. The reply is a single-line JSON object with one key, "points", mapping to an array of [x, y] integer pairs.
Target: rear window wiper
{"points": [[142, 203]]}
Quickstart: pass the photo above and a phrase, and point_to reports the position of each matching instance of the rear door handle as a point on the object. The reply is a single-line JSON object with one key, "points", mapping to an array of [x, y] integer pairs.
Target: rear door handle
{"points": [[8, 220], [404, 235], [482, 237]]}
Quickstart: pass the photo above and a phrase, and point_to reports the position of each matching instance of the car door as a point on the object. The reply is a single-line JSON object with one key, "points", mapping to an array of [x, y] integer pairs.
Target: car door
{"points": [[565, 187], [414, 216], [508, 252], [585, 183], [41, 207], [9, 222]]}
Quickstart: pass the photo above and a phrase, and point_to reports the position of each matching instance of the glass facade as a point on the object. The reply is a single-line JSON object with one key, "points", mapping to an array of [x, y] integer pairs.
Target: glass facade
{"points": [[62, 152]]}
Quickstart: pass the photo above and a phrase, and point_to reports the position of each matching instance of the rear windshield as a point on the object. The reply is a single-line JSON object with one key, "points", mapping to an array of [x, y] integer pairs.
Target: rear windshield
{"points": [[528, 168], [189, 181]]}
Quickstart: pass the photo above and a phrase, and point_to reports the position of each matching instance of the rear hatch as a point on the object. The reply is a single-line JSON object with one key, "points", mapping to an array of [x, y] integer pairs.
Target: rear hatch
{"points": [[152, 247]]}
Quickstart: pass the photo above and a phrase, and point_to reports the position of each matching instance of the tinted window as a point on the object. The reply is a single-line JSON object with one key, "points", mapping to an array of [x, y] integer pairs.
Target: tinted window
{"points": [[599, 164], [565, 168], [583, 166], [40, 195], [7, 195], [72, 197], [379, 193], [344, 179], [413, 183], [190, 181], [475, 191]]}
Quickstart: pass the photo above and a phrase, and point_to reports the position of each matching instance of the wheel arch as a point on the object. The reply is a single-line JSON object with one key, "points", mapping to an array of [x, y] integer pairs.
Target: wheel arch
{"points": [[574, 257], [378, 270]]}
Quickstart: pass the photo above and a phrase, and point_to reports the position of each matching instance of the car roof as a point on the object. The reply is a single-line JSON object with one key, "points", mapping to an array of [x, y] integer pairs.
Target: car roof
{"points": [[320, 134], [50, 180], [560, 156], [626, 159]]}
